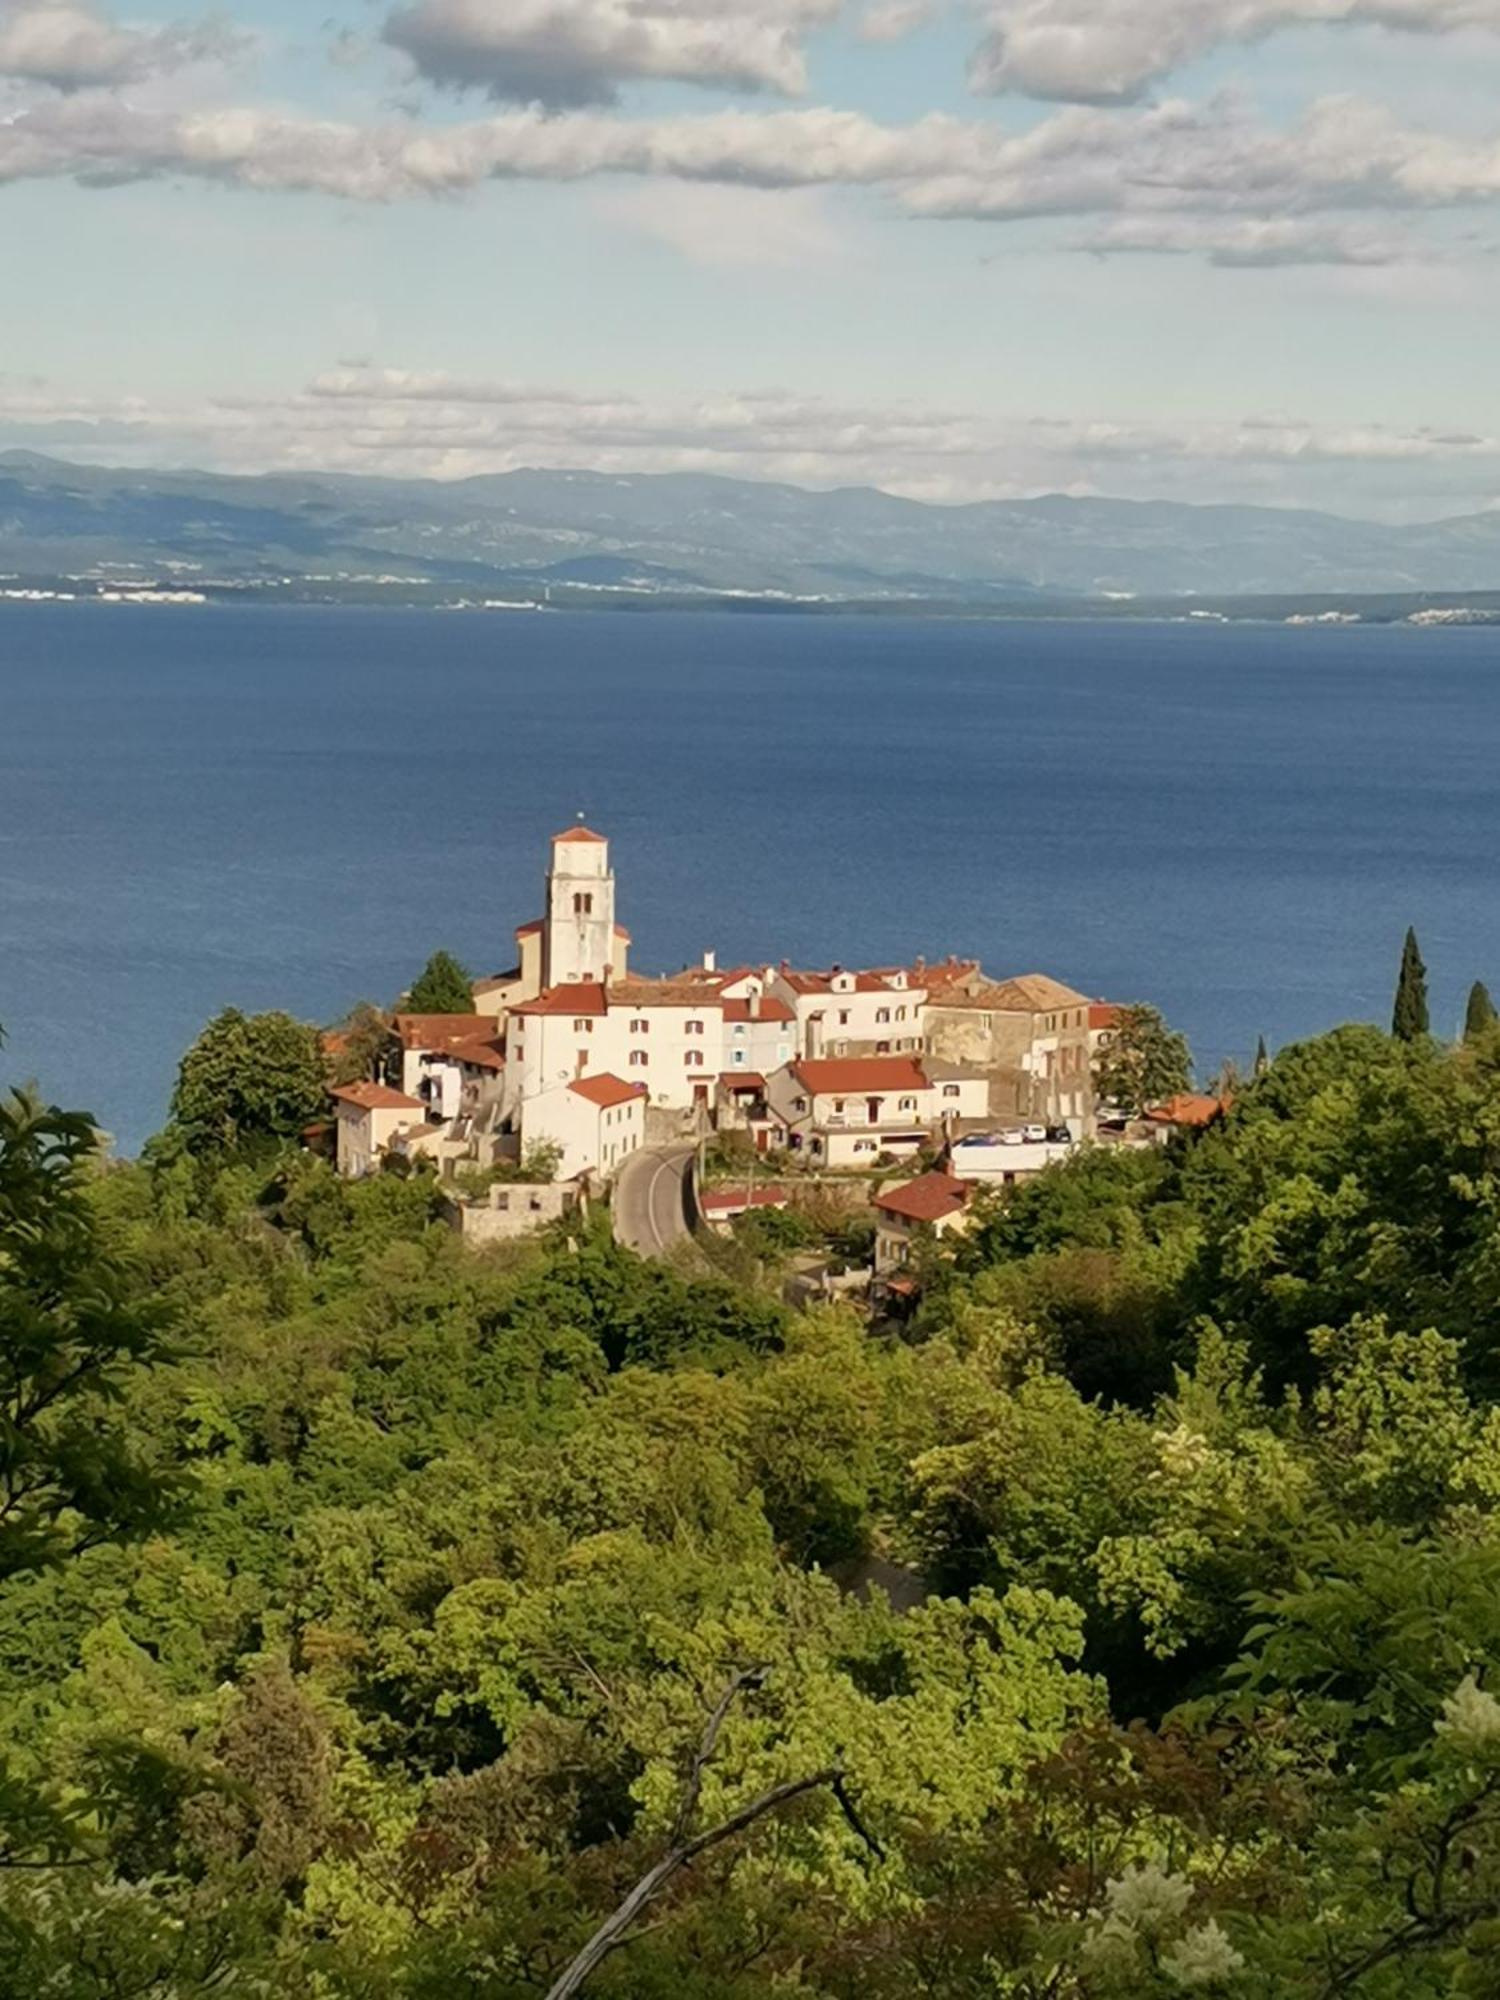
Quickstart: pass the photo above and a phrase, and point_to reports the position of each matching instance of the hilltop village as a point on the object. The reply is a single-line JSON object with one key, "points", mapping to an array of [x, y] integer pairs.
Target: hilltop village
{"points": [[571, 1056]]}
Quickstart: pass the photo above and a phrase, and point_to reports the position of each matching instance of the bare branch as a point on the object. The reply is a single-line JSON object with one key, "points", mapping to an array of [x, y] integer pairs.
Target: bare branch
{"points": [[613, 1932]]}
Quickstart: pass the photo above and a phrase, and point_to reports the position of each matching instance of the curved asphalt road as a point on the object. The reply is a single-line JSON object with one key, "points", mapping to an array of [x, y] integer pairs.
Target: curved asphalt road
{"points": [[650, 1201]]}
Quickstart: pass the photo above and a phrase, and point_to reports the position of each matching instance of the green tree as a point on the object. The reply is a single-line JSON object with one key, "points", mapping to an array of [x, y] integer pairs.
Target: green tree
{"points": [[1480, 1013], [1143, 1063], [75, 1327], [1410, 1019], [248, 1078], [359, 1044], [445, 987]]}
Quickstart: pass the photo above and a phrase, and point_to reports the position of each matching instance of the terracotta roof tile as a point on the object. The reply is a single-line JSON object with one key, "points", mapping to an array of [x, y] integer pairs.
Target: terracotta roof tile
{"points": [[606, 1091], [376, 1097], [856, 1074], [584, 996], [578, 834], [770, 1010], [929, 1198], [1189, 1109]]}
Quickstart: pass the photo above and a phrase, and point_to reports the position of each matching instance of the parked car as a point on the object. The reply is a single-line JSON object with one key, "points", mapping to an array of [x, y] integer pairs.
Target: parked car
{"points": [[1011, 1138], [1059, 1135], [1034, 1135]]}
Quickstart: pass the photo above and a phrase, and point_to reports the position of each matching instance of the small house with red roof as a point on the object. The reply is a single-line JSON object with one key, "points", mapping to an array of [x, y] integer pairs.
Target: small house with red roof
{"points": [[595, 1122], [369, 1117], [934, 1203], [846, 1111]]}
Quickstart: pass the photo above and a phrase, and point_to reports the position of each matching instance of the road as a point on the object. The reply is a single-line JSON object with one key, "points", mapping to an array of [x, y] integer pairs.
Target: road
{"points": [[650, 1204]]}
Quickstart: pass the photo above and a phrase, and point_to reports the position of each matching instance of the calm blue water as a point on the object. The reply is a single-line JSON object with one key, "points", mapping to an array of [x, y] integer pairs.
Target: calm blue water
{"points": [[292, 808]]}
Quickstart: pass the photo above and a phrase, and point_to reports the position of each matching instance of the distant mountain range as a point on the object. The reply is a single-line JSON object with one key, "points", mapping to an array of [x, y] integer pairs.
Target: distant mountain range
{"points": [[682, 535]]}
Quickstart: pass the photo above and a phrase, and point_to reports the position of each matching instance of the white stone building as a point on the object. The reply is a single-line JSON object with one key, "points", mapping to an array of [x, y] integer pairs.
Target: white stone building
{"points": [[849, 1111], [595, 1122]]}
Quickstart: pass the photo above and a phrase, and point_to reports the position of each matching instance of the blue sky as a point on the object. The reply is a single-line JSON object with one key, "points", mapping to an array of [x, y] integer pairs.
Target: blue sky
{"points": [[1214, 250]]}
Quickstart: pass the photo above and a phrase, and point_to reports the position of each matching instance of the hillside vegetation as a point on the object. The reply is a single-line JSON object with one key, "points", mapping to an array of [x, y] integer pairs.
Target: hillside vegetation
{"points": [[376, 1616]]}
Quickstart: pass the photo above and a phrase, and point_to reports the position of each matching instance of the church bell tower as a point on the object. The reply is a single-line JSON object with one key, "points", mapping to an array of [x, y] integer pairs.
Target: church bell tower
{"points": [[580, 940]]}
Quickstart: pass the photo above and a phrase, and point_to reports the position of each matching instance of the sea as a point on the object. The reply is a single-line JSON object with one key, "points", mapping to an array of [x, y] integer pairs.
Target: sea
{"points": [[285, 807]]}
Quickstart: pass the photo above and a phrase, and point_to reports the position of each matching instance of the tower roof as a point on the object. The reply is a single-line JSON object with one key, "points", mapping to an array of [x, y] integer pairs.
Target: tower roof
{"points": [[575, 834]]}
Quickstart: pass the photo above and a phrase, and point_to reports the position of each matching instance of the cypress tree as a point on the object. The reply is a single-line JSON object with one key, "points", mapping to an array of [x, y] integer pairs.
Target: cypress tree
{"points": [[1262, 1057], [1410, 1019], [1480, 1013]]}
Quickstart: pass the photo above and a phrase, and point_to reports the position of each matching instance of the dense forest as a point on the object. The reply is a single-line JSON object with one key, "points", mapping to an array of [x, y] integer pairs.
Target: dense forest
{"points": [[380, 1620]]}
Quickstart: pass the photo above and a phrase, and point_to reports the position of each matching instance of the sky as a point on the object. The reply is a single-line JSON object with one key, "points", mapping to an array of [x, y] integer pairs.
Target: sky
{"points": [[1203, 250]]}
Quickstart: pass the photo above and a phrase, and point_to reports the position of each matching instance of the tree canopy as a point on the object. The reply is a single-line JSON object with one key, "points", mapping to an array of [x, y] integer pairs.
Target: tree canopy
{"points": [[249, 1078], [387, 1620], [1410, 1017], [444, 987], [1144, 1062]]}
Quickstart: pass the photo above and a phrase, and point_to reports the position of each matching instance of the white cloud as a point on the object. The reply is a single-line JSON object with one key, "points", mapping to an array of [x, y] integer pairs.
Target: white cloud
{"points": [[731, 227], [71, 45], [1255, 243], [894, 20], [411, 423], [1309, 191], [575, 52], [1109, 51]]}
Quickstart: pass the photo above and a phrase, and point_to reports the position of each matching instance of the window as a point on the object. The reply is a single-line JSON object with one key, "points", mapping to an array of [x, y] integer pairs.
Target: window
{"points": [[864, 1145], [882, 1014], [739, 1055], [739, 1034], [900, 1013], [694, 1059], [950, 1090], [692, 1027], [583, 1027], [583, 906], [882, 1048], [638, 1058], [838, 1104], [843, 1017], [640, 1027], [907, 1104], [799, 1104]]}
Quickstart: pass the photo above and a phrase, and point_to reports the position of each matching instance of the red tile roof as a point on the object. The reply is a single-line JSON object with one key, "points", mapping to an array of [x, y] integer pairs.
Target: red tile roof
{"points": [[864, 982], [488, 1054], [439, 1031], [683, 991], [929, 1198], [584, 996], [531, 929], [607, 1091], [856, 1074], [1103, 1016], [576, 834], [742, 1079], [729, 1201], [770, 1010], [1189, 1109], [376, 1097]]}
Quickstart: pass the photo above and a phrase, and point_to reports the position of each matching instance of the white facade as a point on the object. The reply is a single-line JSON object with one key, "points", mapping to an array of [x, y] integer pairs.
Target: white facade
{"points": [[579, 939], [848, 1112], [843, 1013], [989, 1161], [596, 1125], [369, 1116]]}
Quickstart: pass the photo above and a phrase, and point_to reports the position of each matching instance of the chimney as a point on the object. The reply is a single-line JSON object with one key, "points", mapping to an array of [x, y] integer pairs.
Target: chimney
{"points": [[755, 1005], [710, 961]]}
